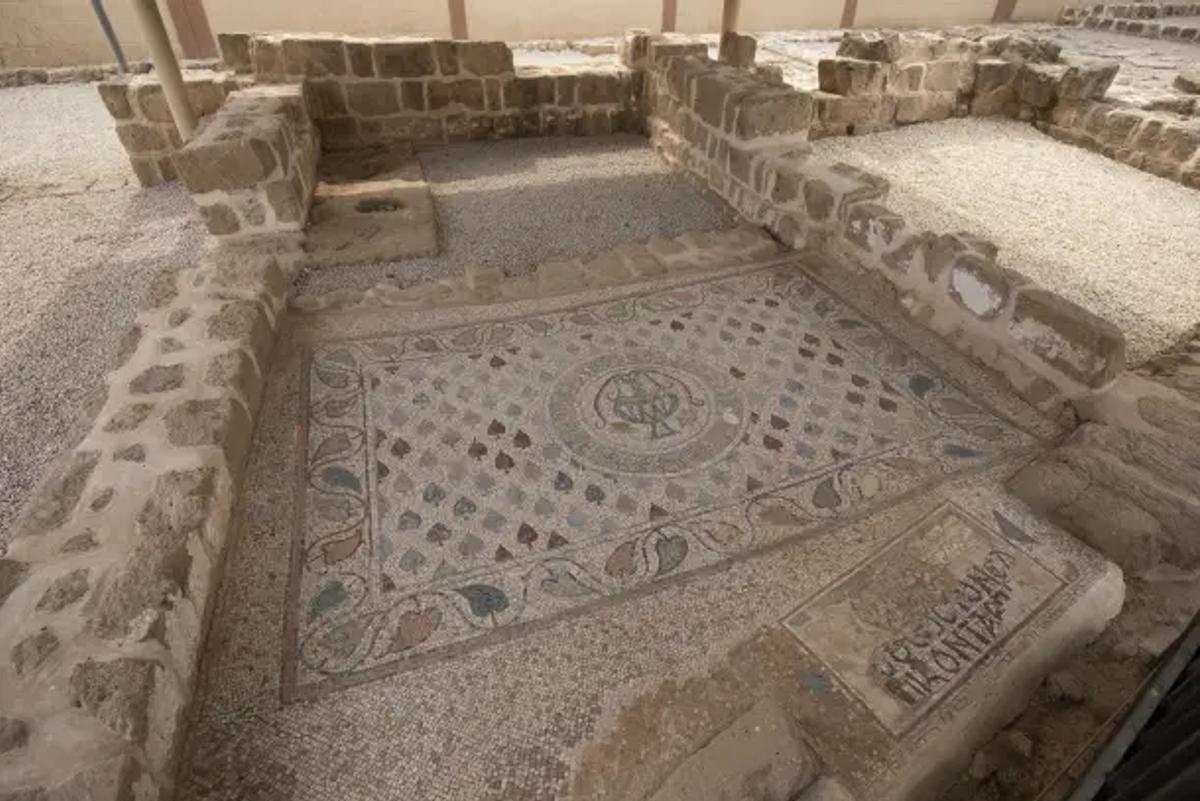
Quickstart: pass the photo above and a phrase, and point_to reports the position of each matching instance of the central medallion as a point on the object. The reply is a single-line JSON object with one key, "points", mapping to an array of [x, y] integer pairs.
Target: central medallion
{"points": [[646, 411]]}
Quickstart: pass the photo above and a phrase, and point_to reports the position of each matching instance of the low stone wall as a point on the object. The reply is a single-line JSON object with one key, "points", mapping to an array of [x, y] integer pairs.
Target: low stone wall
{"points": [[252, 168], [744, 140], [381, 91], [1157, 142], [31, 76], [108, 580], [1151, 20], [144, 123]]}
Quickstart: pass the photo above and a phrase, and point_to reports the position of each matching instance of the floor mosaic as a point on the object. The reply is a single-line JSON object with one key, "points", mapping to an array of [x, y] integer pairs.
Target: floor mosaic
{"points": [[464, 484]]}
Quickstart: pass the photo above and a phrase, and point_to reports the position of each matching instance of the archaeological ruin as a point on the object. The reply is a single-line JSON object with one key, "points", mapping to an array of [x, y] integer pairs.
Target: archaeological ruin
{"points": [[797, 416]]}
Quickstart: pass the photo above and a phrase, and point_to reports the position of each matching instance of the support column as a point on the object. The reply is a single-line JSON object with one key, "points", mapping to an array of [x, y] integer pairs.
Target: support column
{"points": [[458, 18], [165, 66], [729, 16], [670, 14]]}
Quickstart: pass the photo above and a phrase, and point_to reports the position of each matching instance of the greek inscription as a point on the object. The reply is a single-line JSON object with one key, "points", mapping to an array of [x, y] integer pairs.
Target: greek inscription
{"points": [[950, 636]]}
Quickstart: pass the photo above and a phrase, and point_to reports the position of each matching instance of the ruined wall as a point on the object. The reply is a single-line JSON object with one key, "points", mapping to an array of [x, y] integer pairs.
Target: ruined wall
{"points": [[252, 168], [1151, 20], [745, 140], [109, 577], [378, 91], [144, 123]]}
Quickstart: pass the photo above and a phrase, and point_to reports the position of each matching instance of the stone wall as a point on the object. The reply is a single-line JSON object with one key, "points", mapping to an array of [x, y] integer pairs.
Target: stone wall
{"points": [[1152, 20], [144, 123], [108, 580], [745, 140], [1158, 142], [252, 167], [380, 91]]}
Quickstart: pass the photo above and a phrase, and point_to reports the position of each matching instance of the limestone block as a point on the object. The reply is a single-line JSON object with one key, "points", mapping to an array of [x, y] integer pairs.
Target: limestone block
{"points": [[1068, 338], [837, 110], [851, 76], [266, 54], [117, 693], [1087, 79], [773, 111], [373, 98], [1037, 84], [737, 49], [869, 46], [326, 98], [597, 87], [925, 106], [404, 59], [634, 47], [769, 73], [359, 59], [712, 89], [1119, 126], [682, 75], [530, 89], [993, 74], [484, 58], [831, 190], [235, 51], [666, 48], [948, 76], [137, 138], [232, 153], [761, 755], [115, 95], [1177, 144]]}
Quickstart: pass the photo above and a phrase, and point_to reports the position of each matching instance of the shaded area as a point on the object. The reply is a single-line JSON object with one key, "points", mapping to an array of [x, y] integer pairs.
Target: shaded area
{"points": [[515, 204]]}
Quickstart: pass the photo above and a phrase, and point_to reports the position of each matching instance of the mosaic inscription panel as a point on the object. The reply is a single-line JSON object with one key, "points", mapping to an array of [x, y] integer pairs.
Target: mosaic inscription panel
{"points": [[904, 629], [464, 482]]}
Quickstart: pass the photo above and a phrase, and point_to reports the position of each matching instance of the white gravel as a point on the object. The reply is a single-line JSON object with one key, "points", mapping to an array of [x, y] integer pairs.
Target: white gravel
{"points": [[518, 203], [73, 268], [1120, 242]]}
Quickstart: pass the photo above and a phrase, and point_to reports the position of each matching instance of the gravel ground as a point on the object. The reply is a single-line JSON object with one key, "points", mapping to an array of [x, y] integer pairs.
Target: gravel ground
{"points": [[1121, 242], [73, 267], [518, 203]]}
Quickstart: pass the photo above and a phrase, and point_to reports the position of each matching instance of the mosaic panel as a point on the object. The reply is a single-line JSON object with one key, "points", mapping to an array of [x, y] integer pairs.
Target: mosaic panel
{"points": [[464, 483]]}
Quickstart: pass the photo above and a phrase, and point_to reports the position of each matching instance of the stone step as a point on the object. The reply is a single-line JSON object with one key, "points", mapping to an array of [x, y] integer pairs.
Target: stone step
{"points": [[694, 251]]}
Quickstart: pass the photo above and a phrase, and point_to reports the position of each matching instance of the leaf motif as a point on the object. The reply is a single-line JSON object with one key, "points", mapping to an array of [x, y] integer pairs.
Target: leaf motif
{"points": [[621, 562], [341, 477], [333, 378], [331, 596], [1011, 530], [562, 584], [336, 407], [414, 628], [341, 356], [332, 446], [338, 550], [484, 599], [333, 509], [671, 553]]}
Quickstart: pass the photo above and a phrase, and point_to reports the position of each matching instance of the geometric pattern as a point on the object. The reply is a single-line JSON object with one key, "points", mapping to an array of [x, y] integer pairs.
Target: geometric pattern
{"points": [[463, 483]]}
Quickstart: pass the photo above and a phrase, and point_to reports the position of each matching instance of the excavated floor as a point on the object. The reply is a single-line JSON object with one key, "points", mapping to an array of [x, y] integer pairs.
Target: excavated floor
{"points": [[549, 549]]}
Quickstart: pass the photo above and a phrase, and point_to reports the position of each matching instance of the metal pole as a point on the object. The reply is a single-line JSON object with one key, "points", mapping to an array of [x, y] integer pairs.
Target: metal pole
{"points": [[106, 26], [155, 34]]}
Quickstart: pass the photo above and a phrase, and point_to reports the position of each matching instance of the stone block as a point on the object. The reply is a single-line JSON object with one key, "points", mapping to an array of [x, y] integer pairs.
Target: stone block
{"points": [[404, 59], [992, 74], [219, 422], [484, 58], [599, 88], [711, 91], [235, 51], [663, 49], [947, 76], [529, 90], [634, 47], [359, 59], [267, 57], [314, 58], [836, 110], [229, 157], [1087, 79], [1176, 144], [287, 199], [737, 49], [402, 128], [925, 106], [1037, 84], [908, 79], [117, 693], [372, 98], [466, 93], [979, 286], [326, 98], [773, 111], [137, 137], [851, 76], [1067, 337], [873, 227], [116, 99], [869, 46]]}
